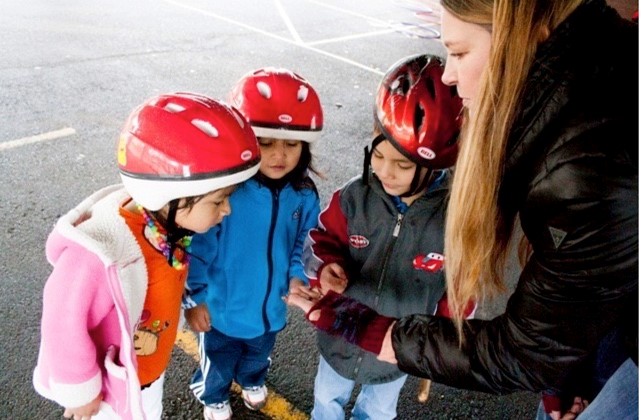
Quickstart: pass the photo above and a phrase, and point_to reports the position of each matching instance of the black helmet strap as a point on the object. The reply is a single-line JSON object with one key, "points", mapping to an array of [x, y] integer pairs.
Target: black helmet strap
{"points": [[368, 156], [174, 232], [417, 183]]}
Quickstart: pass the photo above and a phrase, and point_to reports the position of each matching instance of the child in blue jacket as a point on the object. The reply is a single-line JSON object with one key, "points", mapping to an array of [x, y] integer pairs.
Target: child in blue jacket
{"points": [[242, 269]]}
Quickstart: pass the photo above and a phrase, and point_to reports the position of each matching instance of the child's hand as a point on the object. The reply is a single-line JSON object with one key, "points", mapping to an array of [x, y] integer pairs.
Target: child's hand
{"points": [[304, 303], [298, 287], [333, 277], [198, 318], [301, 295], [83, 412]]}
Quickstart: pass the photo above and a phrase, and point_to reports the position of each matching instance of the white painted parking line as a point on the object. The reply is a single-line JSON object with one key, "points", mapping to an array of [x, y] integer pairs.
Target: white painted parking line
{"points": [[350, 37], [347, 12], [51, 135], [345, 60], [280, 38], [228, 20], [288, 22]]}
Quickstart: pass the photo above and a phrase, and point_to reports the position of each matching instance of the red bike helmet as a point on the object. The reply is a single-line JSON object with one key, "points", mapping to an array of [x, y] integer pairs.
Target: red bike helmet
{"points": [[183, 145], [417, 113], [279, 104]]}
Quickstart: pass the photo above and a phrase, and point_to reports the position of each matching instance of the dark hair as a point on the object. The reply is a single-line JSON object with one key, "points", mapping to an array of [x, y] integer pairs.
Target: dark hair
{"points": [[168, 221], [299, 176], [188, 203]]}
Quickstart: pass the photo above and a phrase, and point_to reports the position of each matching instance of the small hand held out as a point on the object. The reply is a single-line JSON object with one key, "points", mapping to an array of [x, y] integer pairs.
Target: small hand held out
{"points": [[304, 302], [299, 288], [84, 412], [198, 318]]}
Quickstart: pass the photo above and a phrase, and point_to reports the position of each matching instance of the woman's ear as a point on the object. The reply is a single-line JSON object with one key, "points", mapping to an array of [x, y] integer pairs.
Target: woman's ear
{"points": [[544, 34]]}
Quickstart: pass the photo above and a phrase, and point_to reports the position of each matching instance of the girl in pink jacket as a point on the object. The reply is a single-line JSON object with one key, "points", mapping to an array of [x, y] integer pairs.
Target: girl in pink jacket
{"points": [[112, 303]]}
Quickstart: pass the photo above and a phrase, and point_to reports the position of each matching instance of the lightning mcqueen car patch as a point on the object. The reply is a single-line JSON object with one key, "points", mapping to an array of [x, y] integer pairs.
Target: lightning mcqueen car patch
{"points": [[432, 262]]}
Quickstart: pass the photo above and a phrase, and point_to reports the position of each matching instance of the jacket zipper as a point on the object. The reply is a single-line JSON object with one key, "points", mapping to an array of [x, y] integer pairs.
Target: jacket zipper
{"points": [[270, 259], [397, 230]]}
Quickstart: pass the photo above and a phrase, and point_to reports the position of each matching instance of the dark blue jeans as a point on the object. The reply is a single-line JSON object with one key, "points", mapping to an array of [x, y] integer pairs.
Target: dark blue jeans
{"points": [[223, 359]]}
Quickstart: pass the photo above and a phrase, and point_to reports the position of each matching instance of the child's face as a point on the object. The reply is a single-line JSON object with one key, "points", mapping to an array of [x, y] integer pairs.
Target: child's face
{"points": [[207, 212], [278, 157], [394, 170]]}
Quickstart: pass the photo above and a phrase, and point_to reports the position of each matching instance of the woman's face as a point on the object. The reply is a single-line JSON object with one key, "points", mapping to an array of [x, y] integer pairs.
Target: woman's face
{"points": [[468, 50]]}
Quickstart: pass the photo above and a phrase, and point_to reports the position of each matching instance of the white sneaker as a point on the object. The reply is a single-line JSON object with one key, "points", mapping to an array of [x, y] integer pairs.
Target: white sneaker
{"points": [[220, 411], [255, 397]]}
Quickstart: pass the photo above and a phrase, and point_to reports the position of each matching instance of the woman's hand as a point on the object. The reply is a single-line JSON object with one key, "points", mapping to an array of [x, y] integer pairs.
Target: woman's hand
{"points": [[198, 318], [387, 353], [84, 412], [578, 406]]}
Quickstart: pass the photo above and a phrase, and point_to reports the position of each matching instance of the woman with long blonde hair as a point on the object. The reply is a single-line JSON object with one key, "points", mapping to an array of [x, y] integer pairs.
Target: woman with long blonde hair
{"points": [[547, 140]]}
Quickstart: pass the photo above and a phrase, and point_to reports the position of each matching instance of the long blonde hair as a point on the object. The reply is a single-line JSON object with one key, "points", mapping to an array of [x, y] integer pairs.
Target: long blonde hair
{"points": [[477, 230]]}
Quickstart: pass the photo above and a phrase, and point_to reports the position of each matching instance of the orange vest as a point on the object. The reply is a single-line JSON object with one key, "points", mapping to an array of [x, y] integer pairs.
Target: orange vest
{"points": [[156, 332]]}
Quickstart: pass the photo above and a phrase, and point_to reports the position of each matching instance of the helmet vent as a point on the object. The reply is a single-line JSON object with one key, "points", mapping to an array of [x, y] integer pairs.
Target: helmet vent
{"points": [[452, 140], [302, 93], [206, 127], [174, 108], [394, 85], [429, 83], [419, 117], [264, 90], [400, 85], [404, 85]]}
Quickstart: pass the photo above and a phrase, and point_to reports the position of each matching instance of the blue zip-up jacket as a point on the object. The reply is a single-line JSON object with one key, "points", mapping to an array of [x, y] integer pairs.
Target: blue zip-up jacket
{"points": [[242, 267]]}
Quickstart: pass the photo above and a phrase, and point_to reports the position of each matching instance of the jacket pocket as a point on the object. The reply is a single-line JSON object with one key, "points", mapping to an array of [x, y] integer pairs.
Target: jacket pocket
{"points": [[115, 385], [111, 365]]}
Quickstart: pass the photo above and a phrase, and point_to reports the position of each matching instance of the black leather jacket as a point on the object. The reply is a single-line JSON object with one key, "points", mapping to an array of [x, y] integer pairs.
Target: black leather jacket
{"points": [[571, 173]]}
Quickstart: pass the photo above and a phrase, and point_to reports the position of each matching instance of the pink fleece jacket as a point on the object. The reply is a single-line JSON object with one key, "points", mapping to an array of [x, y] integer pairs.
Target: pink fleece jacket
{"points": [[92, 302]]}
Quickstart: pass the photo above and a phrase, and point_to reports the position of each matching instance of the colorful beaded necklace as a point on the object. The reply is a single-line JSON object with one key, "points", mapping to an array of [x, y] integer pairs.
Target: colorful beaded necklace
{"points": [[157, 237]]}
